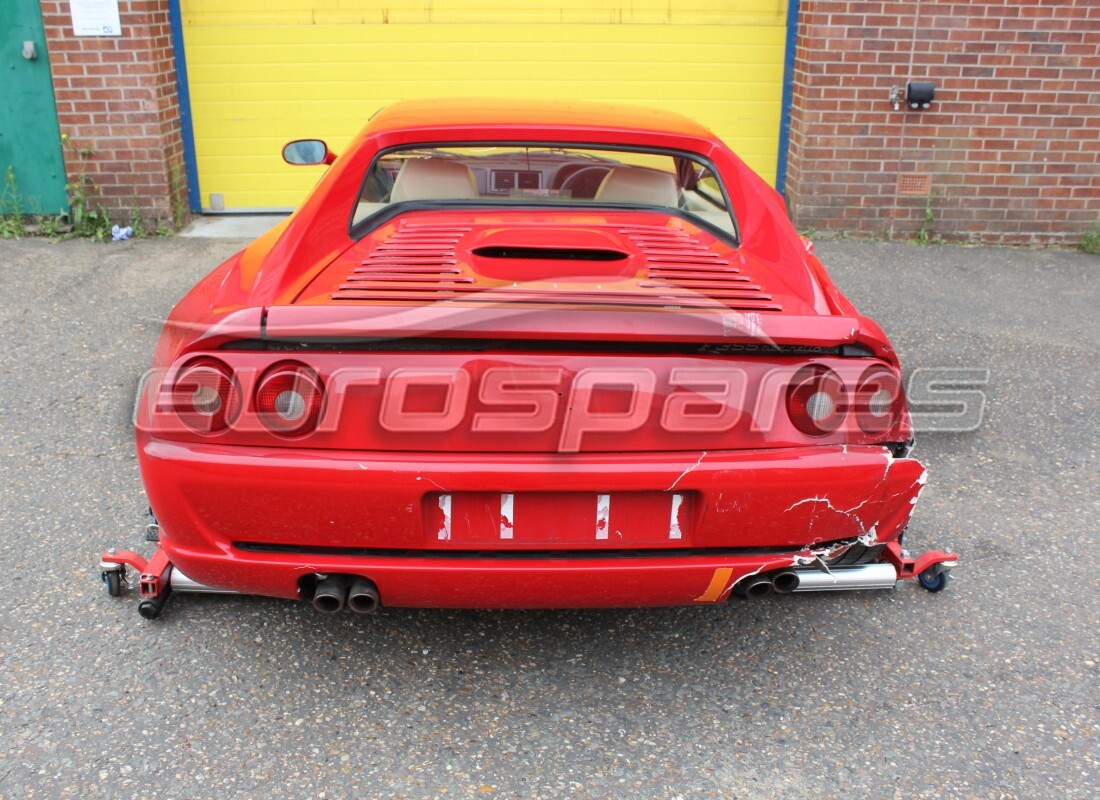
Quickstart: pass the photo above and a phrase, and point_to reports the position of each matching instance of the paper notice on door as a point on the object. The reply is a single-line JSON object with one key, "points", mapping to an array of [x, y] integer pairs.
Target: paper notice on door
{"points": [[95, 17]]}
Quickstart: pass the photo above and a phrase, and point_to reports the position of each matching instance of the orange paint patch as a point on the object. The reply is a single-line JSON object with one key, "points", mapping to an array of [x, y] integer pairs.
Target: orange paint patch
{"points": [[717, 586]]}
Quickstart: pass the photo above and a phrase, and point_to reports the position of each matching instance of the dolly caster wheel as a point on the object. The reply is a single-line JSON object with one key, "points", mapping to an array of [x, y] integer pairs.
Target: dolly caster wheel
{"points": [[150, 607], [934, 580], [115, 580]]}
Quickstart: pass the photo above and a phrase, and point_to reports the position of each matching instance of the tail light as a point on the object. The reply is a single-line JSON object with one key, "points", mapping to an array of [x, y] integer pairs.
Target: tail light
{"points": [[205, 396], [816, 401], [879, 400], [289, 399]]}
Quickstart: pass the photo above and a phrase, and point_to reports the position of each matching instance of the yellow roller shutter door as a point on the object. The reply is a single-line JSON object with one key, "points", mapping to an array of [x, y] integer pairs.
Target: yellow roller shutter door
{"points": [[262, 73]]}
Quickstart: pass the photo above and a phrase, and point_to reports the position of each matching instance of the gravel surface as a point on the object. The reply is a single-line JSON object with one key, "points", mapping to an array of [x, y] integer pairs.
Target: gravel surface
{"points": [[987, 690]]}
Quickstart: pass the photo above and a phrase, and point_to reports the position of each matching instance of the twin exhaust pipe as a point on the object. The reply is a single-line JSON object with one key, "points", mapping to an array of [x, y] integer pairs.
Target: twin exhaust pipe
{"points": [[332, 594], [837, 579], [335, 592]]}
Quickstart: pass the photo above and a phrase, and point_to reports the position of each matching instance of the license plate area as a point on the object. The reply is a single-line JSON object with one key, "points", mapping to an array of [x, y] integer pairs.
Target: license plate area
{"points": [[565, 520]]}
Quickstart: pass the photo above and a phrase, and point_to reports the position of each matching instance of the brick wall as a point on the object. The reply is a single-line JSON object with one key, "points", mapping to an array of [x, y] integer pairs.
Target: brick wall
{"points": [[117, 102], [1012, 141]]}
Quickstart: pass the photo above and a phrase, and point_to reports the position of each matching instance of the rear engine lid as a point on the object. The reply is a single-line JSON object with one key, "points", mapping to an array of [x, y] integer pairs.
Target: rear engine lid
{"points": [[547, 258], [550, 274]]}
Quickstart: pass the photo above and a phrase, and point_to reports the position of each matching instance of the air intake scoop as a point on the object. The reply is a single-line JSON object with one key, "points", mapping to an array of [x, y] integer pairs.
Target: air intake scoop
{"points": [[549, 253], [563, 253]]}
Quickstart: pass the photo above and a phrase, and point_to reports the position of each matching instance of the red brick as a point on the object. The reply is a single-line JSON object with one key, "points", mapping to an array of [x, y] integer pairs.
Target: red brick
{"points": [[1015, 121], [101, 85]]}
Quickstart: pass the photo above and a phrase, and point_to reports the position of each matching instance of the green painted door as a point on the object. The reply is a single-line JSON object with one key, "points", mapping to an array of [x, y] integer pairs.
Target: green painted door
{"points": [[30, 142]]}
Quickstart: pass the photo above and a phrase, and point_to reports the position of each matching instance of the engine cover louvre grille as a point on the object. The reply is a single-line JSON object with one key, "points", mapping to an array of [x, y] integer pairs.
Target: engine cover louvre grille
{"points": [[412, 257], [677, 260], [428, 262]]}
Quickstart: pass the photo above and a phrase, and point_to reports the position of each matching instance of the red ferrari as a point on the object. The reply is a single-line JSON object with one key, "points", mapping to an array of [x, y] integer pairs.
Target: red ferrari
{"points": [[518, 355]]}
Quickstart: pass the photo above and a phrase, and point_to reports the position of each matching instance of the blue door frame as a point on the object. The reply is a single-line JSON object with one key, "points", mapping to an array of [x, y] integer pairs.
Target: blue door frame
{"points": [[788, 87], [183, 93]]}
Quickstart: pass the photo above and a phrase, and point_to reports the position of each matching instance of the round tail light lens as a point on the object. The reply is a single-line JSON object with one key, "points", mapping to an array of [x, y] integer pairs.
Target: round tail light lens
{"points": [[206, 397], [816, 401], [879, 400], [289, 399]]}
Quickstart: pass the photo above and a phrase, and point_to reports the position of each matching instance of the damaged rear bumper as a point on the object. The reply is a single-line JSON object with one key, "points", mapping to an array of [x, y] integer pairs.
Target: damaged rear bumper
{"points": [[270, 521], [657, 580]]}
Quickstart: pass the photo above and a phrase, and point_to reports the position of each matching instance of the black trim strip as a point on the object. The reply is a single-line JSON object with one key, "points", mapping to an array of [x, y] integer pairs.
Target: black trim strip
{"points": [[439, 344], [508, 555]]}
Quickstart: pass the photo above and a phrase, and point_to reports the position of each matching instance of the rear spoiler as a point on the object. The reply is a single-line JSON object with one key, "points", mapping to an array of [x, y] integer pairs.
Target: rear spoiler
{"points": [[328, 323]]}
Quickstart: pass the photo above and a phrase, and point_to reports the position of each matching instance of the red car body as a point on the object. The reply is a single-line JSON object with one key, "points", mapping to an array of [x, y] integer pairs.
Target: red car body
{"points": [[544, 404]]}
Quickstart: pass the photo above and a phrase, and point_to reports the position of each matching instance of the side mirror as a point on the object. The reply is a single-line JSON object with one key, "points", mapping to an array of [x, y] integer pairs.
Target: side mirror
{"points": [[305, 152]]}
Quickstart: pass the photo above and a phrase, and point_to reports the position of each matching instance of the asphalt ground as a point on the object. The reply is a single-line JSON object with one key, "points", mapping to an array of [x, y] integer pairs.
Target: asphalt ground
{"points": [[987, 690]]}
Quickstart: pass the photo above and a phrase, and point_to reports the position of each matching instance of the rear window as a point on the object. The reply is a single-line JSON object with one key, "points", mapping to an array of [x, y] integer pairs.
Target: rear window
{"points": [[486, 174]]}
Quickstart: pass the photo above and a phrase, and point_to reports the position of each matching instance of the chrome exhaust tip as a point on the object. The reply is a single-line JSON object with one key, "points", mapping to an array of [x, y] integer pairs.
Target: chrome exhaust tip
{"points": [[329, 596], [754, 587], [363, 597], [785, 582]]}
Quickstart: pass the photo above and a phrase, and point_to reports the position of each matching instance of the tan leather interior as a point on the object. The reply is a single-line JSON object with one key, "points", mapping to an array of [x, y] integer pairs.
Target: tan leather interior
{"points": [[639, 185], [433, 179]]}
